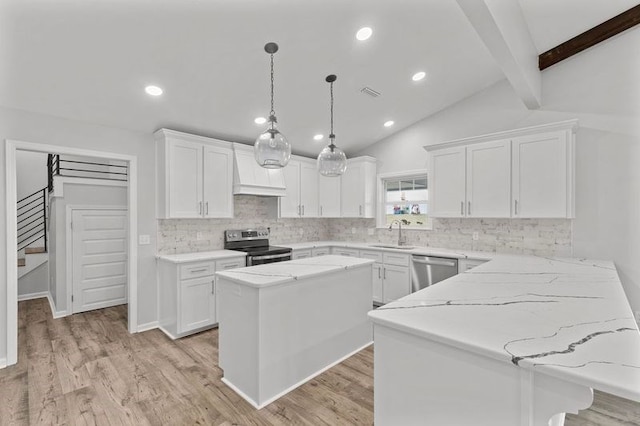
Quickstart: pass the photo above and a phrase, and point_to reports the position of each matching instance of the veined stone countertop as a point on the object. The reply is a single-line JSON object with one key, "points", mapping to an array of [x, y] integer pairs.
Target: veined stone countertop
{"points": [[271, 274], [568, 318], [201, 256]]}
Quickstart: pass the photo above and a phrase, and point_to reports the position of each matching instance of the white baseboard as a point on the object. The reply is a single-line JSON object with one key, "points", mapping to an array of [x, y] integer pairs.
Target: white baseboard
{"points": [[3, 362], [148, 326], [31, 296], [56, 313]]}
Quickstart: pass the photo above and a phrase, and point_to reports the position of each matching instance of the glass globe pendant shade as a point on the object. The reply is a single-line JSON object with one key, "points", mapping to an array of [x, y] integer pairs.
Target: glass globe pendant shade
{"points": [[332, 161], [271, 149]]}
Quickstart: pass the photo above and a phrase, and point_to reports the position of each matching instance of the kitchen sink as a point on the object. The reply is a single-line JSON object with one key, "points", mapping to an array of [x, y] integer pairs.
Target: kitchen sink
{"points": [[393, 246]]}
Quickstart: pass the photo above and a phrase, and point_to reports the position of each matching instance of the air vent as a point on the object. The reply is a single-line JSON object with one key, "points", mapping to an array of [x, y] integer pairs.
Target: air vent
{"points": [[369, 91]]}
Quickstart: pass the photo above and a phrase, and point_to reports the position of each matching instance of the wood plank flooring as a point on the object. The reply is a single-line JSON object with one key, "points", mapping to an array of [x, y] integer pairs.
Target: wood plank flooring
{"points": [[87, 369]]}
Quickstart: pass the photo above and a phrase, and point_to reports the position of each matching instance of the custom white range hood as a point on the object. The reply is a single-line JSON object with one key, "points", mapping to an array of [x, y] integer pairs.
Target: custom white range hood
{"points": [[251, 179]]}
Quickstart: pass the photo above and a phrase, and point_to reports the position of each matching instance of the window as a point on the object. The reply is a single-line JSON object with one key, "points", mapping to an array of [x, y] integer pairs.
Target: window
{"points": [[404, 197]]}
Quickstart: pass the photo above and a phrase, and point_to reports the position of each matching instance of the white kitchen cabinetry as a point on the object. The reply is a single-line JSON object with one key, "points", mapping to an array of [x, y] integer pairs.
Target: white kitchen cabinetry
{"points": [[301, 254], [391, 276], [524, 173], [301, 181], [465, 265], [358, 192], [187, 294], [194, 176], [342, 251], [321, 251], [543, 175], [329, 190]]}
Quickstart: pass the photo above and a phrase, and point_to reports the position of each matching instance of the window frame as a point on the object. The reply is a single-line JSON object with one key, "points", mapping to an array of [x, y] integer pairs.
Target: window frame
{"points": [[381, 178]]}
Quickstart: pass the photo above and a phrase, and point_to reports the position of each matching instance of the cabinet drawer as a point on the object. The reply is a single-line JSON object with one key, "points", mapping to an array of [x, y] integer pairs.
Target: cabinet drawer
{"points": [[195, 270], [321, 251], [466, 264], [396, 259], [345, 252], [375, 255], [301, 254], [239, 262]]}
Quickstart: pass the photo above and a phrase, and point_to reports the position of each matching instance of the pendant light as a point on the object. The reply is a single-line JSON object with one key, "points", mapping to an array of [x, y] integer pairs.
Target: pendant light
{"points": [[271, 149], [332, 161]]}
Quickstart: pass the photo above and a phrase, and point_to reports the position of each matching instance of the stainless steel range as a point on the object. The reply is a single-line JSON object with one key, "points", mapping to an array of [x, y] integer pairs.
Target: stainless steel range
{"points": [[255, 242]]}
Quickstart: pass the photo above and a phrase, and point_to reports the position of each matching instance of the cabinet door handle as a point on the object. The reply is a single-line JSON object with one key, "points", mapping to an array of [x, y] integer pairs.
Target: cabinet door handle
{"points": [[213, 286], [516, 208], [385, 273], [207, 205], [298, 209], [360, 210], [379, 273], [320, 210], [303, 210], [461, 208], [198, 270], [469, 208]]}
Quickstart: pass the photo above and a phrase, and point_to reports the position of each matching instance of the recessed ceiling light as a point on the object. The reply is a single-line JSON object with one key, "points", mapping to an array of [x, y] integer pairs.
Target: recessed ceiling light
{"points": [[389, 123], [260, 120], [318, 137], [153, 90], [419, 76], [364, 33]]}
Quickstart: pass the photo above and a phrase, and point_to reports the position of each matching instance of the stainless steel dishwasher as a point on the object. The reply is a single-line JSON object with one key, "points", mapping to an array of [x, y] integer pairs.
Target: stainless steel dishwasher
{"points": [[428, 270]]}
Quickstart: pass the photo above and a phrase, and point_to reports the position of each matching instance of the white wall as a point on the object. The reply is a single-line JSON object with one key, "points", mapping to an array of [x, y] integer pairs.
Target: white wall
{"points": [[75, 195], [31, 170], [33, 127], [601, 88]]}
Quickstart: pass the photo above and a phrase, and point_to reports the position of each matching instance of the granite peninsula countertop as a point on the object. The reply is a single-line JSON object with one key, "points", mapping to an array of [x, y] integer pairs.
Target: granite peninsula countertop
{"points": [[568, 318], [271, 274]]}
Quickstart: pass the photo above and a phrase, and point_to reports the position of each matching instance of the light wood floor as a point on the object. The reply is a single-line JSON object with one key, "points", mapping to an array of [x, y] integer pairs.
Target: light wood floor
{"points": [[86, 369]]}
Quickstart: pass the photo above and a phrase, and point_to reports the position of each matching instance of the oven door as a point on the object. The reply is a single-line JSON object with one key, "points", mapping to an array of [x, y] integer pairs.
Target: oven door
{"points": [[267, 258]]}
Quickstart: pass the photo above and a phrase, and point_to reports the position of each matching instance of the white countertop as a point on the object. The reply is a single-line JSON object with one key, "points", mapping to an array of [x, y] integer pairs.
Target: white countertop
{"points": [[272, 274], [201, 256], [568, 318]]}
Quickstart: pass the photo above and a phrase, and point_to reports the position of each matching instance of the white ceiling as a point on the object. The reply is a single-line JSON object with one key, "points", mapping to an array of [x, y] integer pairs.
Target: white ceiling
{"points": [[90, 61]]}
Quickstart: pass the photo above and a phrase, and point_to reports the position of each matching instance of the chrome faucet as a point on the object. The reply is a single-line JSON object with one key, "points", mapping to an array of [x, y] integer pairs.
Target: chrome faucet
{"points": [[401, 241]]}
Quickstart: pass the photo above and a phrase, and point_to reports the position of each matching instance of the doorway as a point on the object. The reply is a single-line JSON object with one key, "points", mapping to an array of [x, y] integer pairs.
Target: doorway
{"points": [[11, 233]]}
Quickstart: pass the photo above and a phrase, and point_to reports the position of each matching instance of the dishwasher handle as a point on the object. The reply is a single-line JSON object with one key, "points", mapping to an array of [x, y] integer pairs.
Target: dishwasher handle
{"points": [[435, 262]]}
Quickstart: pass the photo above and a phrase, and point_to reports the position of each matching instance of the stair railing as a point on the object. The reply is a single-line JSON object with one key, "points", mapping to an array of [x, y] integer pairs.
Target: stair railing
{"points": [[32, 218]]}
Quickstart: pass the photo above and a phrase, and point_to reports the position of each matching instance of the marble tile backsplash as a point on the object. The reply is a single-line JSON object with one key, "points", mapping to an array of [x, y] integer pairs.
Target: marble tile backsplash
{"points": [[544, 237]]}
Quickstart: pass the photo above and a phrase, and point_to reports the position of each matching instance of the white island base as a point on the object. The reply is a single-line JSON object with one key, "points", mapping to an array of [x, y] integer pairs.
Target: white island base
{"points": [[283, 323], [424, 382]]}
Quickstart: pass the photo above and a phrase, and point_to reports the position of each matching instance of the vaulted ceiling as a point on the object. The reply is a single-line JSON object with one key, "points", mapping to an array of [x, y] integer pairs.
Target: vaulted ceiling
{"points": [[90, 61]]}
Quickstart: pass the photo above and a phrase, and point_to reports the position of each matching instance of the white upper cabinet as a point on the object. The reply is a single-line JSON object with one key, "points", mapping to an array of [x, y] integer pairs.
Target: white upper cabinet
{"points": [[542, 175], [194, 176], [524, 173], [358, 192], [301, 181], [329, 190], [488, 190], [446, 182]]}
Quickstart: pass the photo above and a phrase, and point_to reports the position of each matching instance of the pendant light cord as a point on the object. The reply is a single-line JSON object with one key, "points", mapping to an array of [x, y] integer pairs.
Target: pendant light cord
{"points": [[273, 112], [331, 136]]}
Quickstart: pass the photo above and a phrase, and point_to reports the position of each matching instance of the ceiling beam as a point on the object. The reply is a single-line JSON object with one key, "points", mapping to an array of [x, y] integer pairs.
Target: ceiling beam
{"points": [[591, 37], [502, 27]]}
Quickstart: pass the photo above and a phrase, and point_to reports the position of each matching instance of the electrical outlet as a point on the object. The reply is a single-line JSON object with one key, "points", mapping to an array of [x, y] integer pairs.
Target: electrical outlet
{"points": [[143, 240], [199, 236], [475, 236], [371, 231]]}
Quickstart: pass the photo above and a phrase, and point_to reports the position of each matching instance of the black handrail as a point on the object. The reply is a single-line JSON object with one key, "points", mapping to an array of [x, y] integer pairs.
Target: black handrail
{"points": [[38, 211], [74, 168]]}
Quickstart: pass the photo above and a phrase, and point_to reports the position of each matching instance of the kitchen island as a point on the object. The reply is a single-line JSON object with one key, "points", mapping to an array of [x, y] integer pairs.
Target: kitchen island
{"points": [[520, 340], [283, 323]]}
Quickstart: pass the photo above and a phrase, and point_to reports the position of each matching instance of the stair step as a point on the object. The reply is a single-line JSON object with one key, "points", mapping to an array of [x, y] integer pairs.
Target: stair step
{"points": [[22, 262], [34, 250]]}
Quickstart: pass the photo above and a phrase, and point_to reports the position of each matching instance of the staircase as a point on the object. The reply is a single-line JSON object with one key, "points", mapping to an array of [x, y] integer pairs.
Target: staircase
{"points": [[30, 258]]}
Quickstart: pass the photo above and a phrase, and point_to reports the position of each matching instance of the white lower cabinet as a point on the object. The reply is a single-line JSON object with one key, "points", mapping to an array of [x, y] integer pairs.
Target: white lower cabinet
{"points": [[466, 264], [391, 278], [187, 294]]}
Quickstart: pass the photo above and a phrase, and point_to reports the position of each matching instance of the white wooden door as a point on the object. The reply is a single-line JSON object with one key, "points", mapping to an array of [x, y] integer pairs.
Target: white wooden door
{"points": [[397, 282], [198, 303], [329, 190], [309, 189], [352, 191], [218, 182], [185, 179], [489, 179], [540, 175], [290, 203], [446, 176], [99, 259]]}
